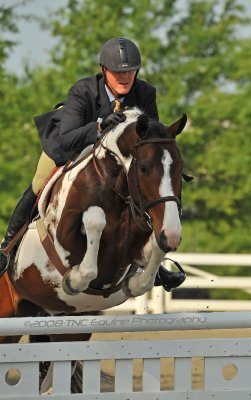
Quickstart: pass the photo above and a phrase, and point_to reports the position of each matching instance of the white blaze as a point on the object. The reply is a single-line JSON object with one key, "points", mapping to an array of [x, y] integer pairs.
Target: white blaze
{"points": [[171, 221]]}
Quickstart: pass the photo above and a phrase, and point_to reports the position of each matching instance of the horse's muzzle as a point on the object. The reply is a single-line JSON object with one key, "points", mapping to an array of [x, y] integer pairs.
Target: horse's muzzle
{"points": [[169, 241]]}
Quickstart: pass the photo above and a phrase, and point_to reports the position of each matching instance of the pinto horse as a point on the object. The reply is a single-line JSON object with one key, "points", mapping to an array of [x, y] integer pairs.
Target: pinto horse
{"points": [[105, 224], [109, 219]]}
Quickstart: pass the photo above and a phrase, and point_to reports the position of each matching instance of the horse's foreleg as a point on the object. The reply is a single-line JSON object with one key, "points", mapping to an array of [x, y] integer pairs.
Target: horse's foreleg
{"points": [[94, 222], [80, 276], [143, 280]]}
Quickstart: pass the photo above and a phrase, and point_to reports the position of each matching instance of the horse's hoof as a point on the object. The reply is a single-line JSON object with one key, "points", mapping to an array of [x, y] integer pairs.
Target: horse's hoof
{"points": [[66, 285]]}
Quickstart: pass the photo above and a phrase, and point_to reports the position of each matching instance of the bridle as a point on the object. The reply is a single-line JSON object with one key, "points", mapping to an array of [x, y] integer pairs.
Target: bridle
{"points": [[145, 205], [140, 209]]}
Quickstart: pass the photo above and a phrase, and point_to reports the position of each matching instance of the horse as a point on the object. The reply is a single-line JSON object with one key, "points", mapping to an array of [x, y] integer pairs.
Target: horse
{"points": [[105, 223]]}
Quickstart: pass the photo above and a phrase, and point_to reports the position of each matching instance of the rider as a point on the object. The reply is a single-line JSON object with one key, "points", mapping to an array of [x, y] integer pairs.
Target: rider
{"points": [[92, 105]]}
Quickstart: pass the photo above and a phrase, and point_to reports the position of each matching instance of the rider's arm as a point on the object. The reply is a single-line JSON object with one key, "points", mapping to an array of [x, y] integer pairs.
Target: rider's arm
{"points": [[146, 99], [77, 130], [150, 106]]}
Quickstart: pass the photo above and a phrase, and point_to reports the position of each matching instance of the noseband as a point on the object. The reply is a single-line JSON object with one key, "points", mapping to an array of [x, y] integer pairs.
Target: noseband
{"points": [[140, 210]]}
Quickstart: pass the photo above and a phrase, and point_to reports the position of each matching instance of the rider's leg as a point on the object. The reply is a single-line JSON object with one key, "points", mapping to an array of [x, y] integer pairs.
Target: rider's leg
{"points": [[24, 206], [44, 168]]}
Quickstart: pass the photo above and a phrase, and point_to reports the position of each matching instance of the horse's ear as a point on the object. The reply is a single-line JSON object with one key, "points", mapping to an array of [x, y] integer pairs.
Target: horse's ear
{"points": [[178, 126], [142, 125]]}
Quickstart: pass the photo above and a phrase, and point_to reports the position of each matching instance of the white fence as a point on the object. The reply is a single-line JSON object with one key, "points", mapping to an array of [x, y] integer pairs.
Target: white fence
{"points": [[158, 357], [159, 301]]}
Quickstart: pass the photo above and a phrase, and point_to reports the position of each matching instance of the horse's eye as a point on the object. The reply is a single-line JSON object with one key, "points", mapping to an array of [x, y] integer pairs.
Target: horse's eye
{"points": [[145, 169]]}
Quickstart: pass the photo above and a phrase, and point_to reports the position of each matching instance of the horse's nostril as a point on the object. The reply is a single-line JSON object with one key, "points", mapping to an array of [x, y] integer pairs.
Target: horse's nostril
{"points": [[169, 240], [163, 243]]}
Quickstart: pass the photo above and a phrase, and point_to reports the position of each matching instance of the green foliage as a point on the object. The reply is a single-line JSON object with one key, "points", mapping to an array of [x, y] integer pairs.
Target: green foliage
{"points": [[199, 64], [7, 25]]}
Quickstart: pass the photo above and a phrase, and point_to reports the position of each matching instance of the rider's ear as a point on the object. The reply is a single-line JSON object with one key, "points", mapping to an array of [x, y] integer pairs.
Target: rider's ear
{"points": [[142, 125]]}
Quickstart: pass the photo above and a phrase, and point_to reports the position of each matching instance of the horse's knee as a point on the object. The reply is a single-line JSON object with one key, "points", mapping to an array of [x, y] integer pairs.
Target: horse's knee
{"points": [[94, 218]]}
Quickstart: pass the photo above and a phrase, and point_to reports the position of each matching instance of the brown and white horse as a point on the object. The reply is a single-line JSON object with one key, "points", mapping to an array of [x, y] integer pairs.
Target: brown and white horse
{"points": [[117, 207], [105, 226]]}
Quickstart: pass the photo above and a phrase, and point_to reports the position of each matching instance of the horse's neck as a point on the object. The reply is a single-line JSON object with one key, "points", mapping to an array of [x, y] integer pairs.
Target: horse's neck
{"points": [[121, 183], [121, 142]]}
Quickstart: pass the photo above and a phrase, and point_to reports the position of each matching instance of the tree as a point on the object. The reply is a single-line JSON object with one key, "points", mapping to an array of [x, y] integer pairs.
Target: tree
{"points": [[216, 84], [7, 25], [199, 65], [6, 82]]}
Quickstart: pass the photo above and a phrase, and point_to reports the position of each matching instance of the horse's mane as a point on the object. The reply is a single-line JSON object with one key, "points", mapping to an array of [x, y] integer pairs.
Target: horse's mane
{"points": [[132, 113]]}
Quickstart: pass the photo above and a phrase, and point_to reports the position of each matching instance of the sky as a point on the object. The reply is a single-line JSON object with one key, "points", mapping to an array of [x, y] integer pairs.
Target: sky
{"points": [[34, 42]]}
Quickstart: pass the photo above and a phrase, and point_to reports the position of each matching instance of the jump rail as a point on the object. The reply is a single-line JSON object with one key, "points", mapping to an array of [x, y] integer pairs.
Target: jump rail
{"points": [[167, 365], [128, 323]]}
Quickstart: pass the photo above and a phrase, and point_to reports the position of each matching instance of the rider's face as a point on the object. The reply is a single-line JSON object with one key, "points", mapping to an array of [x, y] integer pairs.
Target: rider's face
{"points": [[120, 82]]}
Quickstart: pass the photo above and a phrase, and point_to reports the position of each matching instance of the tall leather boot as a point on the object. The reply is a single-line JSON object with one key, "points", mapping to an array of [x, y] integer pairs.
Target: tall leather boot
{"points": [[19, 217], [169, 279]]}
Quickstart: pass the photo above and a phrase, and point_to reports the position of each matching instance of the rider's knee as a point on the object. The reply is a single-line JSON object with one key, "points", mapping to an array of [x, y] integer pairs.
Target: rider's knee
{"points": [[44, 168]]}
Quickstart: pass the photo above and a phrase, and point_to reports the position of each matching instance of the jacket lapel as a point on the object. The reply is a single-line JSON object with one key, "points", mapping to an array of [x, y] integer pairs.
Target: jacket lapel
{"points": [[130, 99], [104, 107]]}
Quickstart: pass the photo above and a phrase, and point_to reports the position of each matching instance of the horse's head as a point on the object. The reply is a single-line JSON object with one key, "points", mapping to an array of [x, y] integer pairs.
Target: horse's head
{"points": [[155, 178], [153, 166]]}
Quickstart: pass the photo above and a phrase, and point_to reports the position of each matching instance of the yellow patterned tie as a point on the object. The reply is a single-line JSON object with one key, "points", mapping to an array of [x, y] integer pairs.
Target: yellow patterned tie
{"points": [[117, 105]]}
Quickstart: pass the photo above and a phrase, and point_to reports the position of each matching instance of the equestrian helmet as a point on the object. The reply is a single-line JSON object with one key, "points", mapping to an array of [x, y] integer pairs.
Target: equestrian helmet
{"points": [[120, 54]]}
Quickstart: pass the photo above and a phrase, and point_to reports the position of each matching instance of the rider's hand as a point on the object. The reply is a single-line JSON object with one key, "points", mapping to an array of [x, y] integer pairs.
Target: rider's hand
{"points": [[112, 120]]}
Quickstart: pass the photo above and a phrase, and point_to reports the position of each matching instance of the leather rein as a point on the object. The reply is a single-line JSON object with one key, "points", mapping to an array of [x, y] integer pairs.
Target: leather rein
{"points": [[139, 210]]}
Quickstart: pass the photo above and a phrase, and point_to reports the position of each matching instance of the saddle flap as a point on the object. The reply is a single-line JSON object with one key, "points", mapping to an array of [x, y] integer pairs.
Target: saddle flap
{"points": [[45, 193]]}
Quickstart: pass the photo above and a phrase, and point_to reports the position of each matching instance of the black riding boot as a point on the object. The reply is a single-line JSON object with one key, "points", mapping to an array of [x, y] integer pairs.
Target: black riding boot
{"points": [[168, 279], [19, 217]]}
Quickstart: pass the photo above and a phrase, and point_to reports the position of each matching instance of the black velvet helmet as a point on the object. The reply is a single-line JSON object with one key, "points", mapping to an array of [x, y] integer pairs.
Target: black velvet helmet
{"points": [[120, 54]]}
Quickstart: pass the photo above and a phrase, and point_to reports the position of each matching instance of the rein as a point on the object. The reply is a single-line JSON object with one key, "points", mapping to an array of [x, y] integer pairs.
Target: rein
{"points": [[127, 199], [140, 210]]}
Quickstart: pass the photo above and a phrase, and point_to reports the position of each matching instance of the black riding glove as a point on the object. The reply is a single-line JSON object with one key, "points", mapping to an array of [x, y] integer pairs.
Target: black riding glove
{"points": [[112, 120]]}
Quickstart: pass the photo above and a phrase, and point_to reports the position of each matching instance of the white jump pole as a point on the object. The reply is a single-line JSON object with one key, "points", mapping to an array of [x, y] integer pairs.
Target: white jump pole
{"points": [[129, 323]]}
